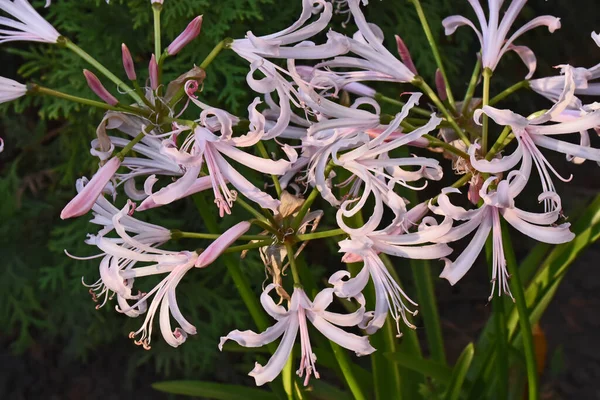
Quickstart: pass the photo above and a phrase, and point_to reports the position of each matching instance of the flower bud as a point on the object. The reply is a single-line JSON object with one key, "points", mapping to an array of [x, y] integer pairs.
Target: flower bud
{"points": [[128, 63], [153, 71], [440, 85], [85, 199], [190, 33], [156, 1], [97, 87], [405, 55]]}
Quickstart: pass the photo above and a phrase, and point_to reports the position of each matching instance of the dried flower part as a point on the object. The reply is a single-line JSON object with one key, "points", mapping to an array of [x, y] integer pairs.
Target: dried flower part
{"points": [[190, 33], [98, 88], [128, 63]]}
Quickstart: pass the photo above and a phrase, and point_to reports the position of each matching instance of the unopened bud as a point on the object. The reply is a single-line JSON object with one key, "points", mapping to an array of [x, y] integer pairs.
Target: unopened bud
{"points": [[128, 63], [405, 55], [156, 1], [190, 33], [440, 85], [97, 87], [153, 71]]}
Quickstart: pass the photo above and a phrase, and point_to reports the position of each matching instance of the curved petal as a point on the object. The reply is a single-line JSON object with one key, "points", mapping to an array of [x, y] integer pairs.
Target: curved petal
{"points": [[455, 21], [547, 234], [359, 344], [495, 165], [222, 243], [527, 56]]}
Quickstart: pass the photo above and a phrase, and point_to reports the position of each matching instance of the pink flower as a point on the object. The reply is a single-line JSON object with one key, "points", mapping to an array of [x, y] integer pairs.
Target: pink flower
{"points": [[294, 320], [27, 24], [84, 201], [494, 31], [11, 90]]}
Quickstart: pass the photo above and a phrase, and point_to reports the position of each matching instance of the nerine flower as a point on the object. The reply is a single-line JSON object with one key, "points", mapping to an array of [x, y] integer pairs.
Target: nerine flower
{"points": [[367, 242], [203, 145], [26, 25], [118, 270], [552, 87], [11, 90], [493, 32], [498, 203], [292, 321], [533, 133], [374, 60]]}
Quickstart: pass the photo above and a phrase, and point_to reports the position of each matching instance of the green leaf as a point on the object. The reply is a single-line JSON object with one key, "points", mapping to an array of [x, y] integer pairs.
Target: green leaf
{"points": [[432, 369], [213, 390], [460, 372]]}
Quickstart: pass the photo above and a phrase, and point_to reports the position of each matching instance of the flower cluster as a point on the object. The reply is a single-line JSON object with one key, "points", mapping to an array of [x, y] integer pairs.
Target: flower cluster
{"points": [[356, 158]]}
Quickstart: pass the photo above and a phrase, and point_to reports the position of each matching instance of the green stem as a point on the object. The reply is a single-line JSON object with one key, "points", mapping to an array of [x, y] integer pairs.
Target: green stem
{"points": [[434, 49], [346, 368], [177, 234], [504, 94], [249, 246], [133, 142], [156, 9], [435, 142], [320, 235], [140, 93], [92, 61], [309, 201], [287, 376], [500, 143], [215, 52], [471, 88], [251, 210], [487, 75], [526, 332], [34, 89], [290, 255], [389, 100], [263, 152], [421, 84], [421, 270]]}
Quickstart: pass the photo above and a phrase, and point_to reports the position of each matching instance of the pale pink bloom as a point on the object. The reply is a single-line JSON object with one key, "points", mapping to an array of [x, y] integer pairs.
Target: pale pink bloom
{"points": [[596, 37], [11, 90], [347, 142], [493, 31], [553, 86], [85, 199], [128, 63], [1, 145], [534, 133], [201, 184], [119, 269], [486, 219], [204, 146], [292, 321], [27, 25], [373, 58], [190, 33], [98, 88], [366, 242], [325, 80]]}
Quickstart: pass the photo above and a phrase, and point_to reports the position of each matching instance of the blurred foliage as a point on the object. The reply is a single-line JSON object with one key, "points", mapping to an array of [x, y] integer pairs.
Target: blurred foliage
{"points": [[47, 141]]}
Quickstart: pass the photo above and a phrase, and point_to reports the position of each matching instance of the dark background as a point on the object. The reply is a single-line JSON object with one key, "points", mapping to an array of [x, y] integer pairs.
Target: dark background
{"points": [[55, 345]]}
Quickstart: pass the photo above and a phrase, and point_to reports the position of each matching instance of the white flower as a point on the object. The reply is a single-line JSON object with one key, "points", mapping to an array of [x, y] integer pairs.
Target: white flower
{"points": [[487, 218], [552, 87], [596, 37], [376, 62], [11, 90], [204, 146], [367, 242], [534, 133], [27, 24], [494, 31], [293, 320], [119, 269]]}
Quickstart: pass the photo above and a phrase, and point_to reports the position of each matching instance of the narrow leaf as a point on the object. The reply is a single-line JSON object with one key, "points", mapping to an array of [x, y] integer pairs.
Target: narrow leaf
{"points": [[213, 390]]}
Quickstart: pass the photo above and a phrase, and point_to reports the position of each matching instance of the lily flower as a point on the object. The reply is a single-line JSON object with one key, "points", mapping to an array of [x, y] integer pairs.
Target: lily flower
{"points": [[292, 321], [204, 146], [533, 133], [11, 90], [119, 269], [27, 25], [376, 62], [493, 32], [552, 87], [486, 219], [367, 242]]}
